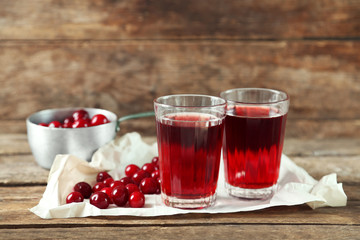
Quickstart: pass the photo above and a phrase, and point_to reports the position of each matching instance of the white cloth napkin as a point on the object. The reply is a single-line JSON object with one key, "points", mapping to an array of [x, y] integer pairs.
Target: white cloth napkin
{"points": [[295, 185]]}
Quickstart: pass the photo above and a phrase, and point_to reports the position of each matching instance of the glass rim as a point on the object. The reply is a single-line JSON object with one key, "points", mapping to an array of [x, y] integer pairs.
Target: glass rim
{"points": [[287, 97], [156, 101]]}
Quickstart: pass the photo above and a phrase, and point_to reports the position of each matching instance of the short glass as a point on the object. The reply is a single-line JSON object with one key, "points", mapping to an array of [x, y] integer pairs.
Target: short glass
{"points": [[253, 140], [189, 135]]}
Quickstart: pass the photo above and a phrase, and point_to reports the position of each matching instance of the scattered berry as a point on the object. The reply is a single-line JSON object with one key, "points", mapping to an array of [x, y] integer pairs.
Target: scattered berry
{"points": [[148, 186], [108, 181], [98, 186], [100, 200], [131, 187], [155, 160], [84, 188], [120, 196], [101, 176], [131, 169], [116, 183], [140, 175], [148, 167], [126, 180], [74, 197], [136, 200], [155, 174]]}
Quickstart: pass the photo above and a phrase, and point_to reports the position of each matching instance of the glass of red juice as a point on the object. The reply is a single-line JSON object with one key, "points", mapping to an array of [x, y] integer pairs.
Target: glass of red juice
{"points": [[189, 135], [253, 140]]}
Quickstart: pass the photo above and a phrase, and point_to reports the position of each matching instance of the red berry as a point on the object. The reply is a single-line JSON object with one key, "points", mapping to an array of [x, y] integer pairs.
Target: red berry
{"points": [[148, 167], [100, 200], [80, 114], [108, 181], [131, 169], [137, 200], [74, 197], [131, 187], [148, 186], [67, 125], [158, 191], [98, 119], [126, 180], [98, 186], [55, 124], [116, 183], [120, 196], [108, 191], [68, 120], [84, 188], [43, 124], [140, 175], [155, 174], [80, 123], [155, 160], [101, 176]]}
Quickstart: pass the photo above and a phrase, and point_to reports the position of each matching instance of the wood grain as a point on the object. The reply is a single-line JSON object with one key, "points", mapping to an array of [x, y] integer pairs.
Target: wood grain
{"points": [[16, 202], [193, 232], [166, 19], [321, 77]]}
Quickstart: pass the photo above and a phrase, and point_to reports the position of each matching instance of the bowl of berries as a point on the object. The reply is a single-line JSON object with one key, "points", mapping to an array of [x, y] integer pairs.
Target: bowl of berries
{"points": [[75, 131]]}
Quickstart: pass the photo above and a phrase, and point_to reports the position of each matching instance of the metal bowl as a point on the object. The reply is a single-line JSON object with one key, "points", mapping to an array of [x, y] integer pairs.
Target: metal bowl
{"points": [[46, 142]]}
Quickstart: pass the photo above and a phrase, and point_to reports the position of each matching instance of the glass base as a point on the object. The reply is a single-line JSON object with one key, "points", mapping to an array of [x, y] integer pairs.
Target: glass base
{"points": [[198, 203], [247, 193]]}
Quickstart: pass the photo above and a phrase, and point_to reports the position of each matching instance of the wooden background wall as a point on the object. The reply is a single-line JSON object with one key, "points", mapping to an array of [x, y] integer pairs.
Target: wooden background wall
{"points": [[120, 55]]}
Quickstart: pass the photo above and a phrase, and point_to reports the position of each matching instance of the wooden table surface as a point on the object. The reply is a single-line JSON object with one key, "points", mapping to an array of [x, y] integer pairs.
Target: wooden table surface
{"points": [[22, 183]]}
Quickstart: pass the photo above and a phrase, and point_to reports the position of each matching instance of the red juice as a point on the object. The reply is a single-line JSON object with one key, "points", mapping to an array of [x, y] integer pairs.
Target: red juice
{"points": [[189, 152], [253, 142]]}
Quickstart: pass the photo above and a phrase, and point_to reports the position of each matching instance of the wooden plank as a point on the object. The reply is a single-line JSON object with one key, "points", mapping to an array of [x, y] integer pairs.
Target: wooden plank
{"points": [[318, 129], [230, 231], [320, 76], [15, 202], [164, 19], [319, 158]]}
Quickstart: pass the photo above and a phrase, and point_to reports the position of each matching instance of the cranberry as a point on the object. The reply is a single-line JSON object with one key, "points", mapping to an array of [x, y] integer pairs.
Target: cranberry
{"points": [[155, 174], [126, 180], [100, 200], [148, 186], [158, 180], [68, 120], [131, 187], [137, 200], [43, 124], [131, 169], [140, 175], [67, 125], [98, 119], [55, 124], [148, 167], [80, 123], [84, 188], [74, 197], [114, 184], [120, 196], [101, 176], [108, 181], [108, 191], [155, 160], [98, 186], [80, 114]]}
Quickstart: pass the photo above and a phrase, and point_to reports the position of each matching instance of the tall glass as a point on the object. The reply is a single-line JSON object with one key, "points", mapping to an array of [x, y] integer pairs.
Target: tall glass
{"points": [[253, 140], [189, 135]]}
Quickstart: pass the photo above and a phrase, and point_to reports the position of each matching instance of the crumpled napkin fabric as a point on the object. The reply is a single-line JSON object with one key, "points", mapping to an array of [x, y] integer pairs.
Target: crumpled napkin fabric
{"points": [[295, 185]]}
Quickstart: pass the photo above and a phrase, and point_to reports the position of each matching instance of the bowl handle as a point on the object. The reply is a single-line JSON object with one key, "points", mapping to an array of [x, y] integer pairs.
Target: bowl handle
{"points": [[133, 116]]}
